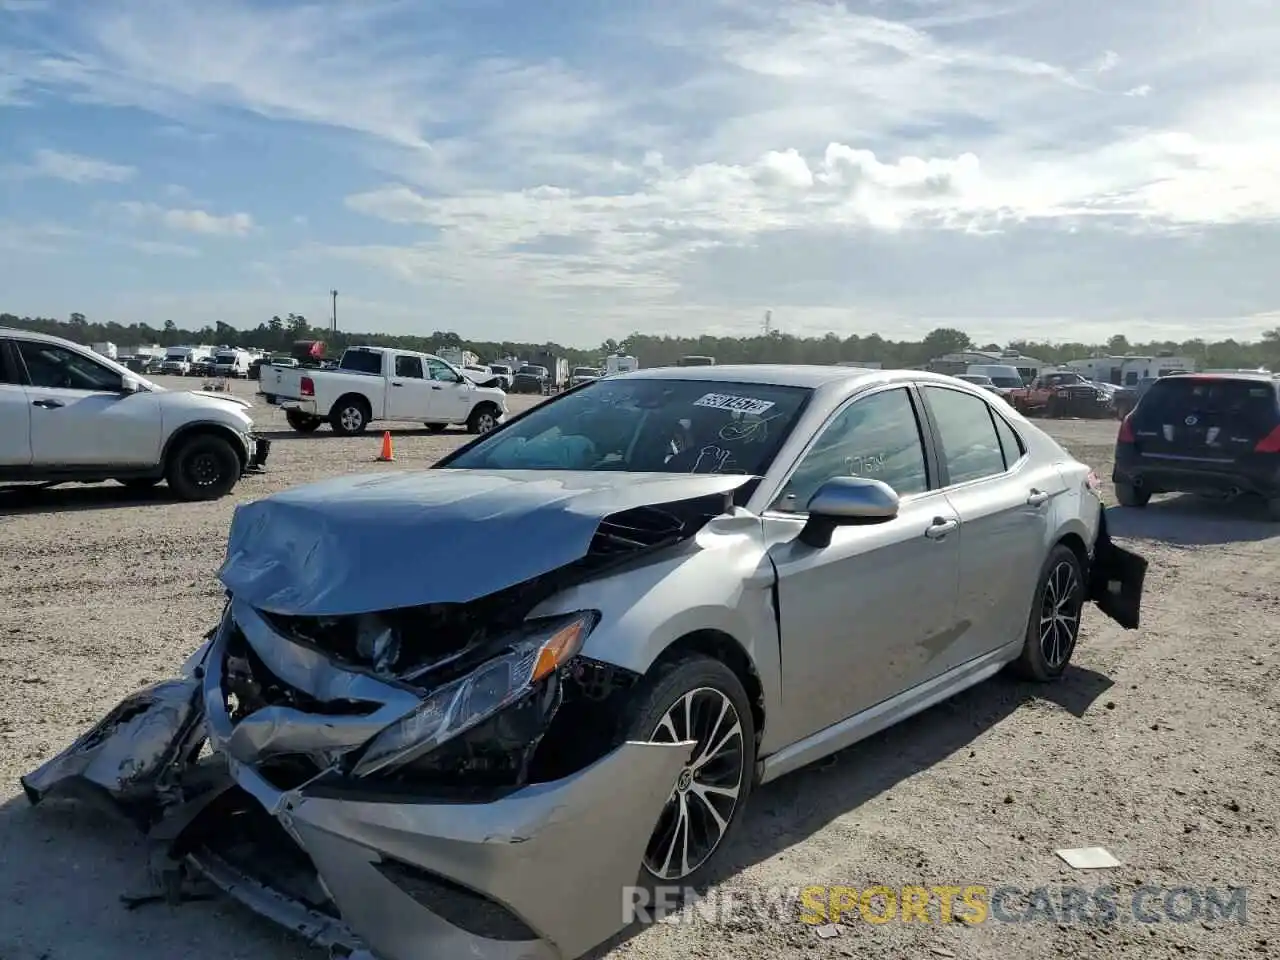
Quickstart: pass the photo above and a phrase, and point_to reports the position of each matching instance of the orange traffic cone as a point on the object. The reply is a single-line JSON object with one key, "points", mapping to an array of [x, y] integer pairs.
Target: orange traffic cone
{"points": [[386, 456]]}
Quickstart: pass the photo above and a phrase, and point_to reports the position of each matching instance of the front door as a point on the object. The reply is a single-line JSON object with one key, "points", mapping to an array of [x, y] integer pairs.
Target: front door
{"points": [[453, 393], [409, 394], [1005, 505], [870, 615], [80, 417]]}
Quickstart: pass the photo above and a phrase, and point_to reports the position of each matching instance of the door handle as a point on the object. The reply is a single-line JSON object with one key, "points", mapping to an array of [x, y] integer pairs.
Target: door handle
{"points": [[396, 383], [940, 528], [436, 386], [48, 404], [1037, 497]]}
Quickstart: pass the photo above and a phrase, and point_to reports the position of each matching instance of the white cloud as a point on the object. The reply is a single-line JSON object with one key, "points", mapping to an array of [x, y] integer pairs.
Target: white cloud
{"points": [[844, 163], [190, 221], [72, 168]]}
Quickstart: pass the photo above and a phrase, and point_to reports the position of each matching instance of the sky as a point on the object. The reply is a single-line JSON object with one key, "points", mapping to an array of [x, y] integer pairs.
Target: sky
{"points": [[572, 170]]}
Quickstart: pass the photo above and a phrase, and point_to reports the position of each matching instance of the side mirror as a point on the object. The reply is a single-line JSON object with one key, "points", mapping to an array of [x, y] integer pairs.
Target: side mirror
{"points": [[129, 385], [844, 502]]}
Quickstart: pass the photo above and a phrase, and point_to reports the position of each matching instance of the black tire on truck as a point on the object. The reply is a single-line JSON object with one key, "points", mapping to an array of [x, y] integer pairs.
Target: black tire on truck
{"points": [[350, 415], [302, 422], [483, 418], [203, 467]]}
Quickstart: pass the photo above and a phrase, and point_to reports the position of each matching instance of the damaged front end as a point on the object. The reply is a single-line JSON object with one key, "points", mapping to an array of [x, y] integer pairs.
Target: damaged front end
{"points": [[418, 782]]}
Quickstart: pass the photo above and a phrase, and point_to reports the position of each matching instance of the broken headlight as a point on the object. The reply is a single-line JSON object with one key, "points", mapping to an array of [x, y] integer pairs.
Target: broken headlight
{"points": [[539, 649]]}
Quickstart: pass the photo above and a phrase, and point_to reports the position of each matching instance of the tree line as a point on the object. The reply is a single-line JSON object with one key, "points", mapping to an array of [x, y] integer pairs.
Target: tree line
{"points": [[278, 334]]}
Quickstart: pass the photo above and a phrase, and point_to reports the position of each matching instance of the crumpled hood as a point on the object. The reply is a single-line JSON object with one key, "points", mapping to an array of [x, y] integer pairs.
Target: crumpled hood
{"points": [[359, 544]]}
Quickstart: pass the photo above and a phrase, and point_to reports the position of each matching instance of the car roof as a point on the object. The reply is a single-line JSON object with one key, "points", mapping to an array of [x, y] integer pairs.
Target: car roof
{"points": [[812, 376], [32, 335], [1251, 376]]}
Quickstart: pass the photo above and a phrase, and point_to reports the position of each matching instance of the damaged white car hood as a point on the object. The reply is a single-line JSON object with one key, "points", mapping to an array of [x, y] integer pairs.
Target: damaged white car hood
{"points": [[383, 541]]}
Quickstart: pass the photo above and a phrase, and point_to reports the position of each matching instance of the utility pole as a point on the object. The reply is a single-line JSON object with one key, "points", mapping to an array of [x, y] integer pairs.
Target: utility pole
{"points": [[768, 322], [334, 294]]}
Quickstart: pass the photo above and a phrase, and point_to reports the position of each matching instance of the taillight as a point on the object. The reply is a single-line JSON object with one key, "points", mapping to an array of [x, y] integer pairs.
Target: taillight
{"points": [[1126, 430], [308, 387], [1270, 443]]}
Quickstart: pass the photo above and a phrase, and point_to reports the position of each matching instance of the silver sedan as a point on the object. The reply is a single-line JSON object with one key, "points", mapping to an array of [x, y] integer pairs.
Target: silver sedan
{"points": [[708, 577]]}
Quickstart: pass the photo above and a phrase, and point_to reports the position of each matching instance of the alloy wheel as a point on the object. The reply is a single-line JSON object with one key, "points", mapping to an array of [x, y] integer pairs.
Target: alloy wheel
{"points": [[1060, 614], [352, 418], [705, 796], [485, 422]]}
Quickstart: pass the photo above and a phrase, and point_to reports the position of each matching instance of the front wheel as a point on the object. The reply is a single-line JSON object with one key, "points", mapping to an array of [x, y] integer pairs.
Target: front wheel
{"points": [[483, 419], [701, 700], [204, 467], [1054, 624]]}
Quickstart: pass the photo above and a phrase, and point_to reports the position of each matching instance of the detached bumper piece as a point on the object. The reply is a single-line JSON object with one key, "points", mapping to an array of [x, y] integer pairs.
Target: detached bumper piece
{"points": [[1116, 579], [275, 818], [259, 450]]}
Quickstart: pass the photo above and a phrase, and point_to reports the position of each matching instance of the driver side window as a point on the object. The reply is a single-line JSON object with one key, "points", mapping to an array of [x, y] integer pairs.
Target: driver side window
{"points": [[877, 437], [439, 370], [56, 368]]}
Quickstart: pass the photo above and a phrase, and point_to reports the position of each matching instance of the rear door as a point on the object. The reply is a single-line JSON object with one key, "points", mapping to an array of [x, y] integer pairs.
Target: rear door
{"points": [[1005, 502], [15, 413], [1213, 420]]}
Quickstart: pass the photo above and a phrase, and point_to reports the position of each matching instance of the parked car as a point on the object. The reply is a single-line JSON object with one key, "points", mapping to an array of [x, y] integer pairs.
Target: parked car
{"points": [[983, 381], [580, 375], [531, 378], [1215, 434], [709, 578], [1062, 393], [70, 415], [481, 375], [504, 371], [378, 383]]}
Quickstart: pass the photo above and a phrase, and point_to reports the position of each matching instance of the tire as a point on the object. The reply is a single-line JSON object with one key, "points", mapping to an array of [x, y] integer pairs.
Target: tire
{"points": [[483, 419], [710, 685], [138, 483], [204, 467], [349, 416], [437, 427], [301, 422], [1059, 599], [1131, 496]]}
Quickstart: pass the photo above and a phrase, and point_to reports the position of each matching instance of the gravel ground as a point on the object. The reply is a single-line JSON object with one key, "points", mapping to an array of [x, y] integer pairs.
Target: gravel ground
{"points": [[1160, 745]]}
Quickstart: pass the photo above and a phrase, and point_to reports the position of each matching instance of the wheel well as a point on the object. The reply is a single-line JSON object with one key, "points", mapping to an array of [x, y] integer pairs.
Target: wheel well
{"points": [[720, 646], [205, 429], [360, 399], [1077, 546]]}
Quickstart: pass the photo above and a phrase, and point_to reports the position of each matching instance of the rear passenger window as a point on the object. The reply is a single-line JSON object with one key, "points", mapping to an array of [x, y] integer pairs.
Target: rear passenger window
{"points": [[1010, 443], [971, 447], [409, 368]]}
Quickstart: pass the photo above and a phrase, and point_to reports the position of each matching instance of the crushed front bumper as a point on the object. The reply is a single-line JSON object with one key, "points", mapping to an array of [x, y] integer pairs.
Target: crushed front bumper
{"points": [[550, 861]]}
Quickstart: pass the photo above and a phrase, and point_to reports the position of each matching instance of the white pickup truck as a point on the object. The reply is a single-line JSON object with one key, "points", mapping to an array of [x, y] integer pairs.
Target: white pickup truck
{"points": [[378, 383]]}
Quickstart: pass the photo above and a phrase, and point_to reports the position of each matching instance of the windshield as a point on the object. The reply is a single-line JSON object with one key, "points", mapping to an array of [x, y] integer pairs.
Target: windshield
{"points": [[585, 371], [975, 378], [1006, 381], [637, 426], [533, 371]]}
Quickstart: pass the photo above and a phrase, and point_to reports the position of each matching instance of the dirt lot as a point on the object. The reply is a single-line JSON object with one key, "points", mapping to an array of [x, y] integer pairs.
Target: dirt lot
{"points": [[1160, 745]]}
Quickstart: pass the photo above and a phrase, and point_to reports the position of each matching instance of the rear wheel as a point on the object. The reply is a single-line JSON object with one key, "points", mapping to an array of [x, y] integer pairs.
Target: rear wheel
{"points": [[1131, 496], [1054, 624], [301, 422], [204, 467], [349, 416], [698, 699]]}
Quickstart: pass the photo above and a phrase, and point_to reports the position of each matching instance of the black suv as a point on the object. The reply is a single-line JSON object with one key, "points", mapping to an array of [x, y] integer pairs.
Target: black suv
{"points": [[1216, 434]]}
